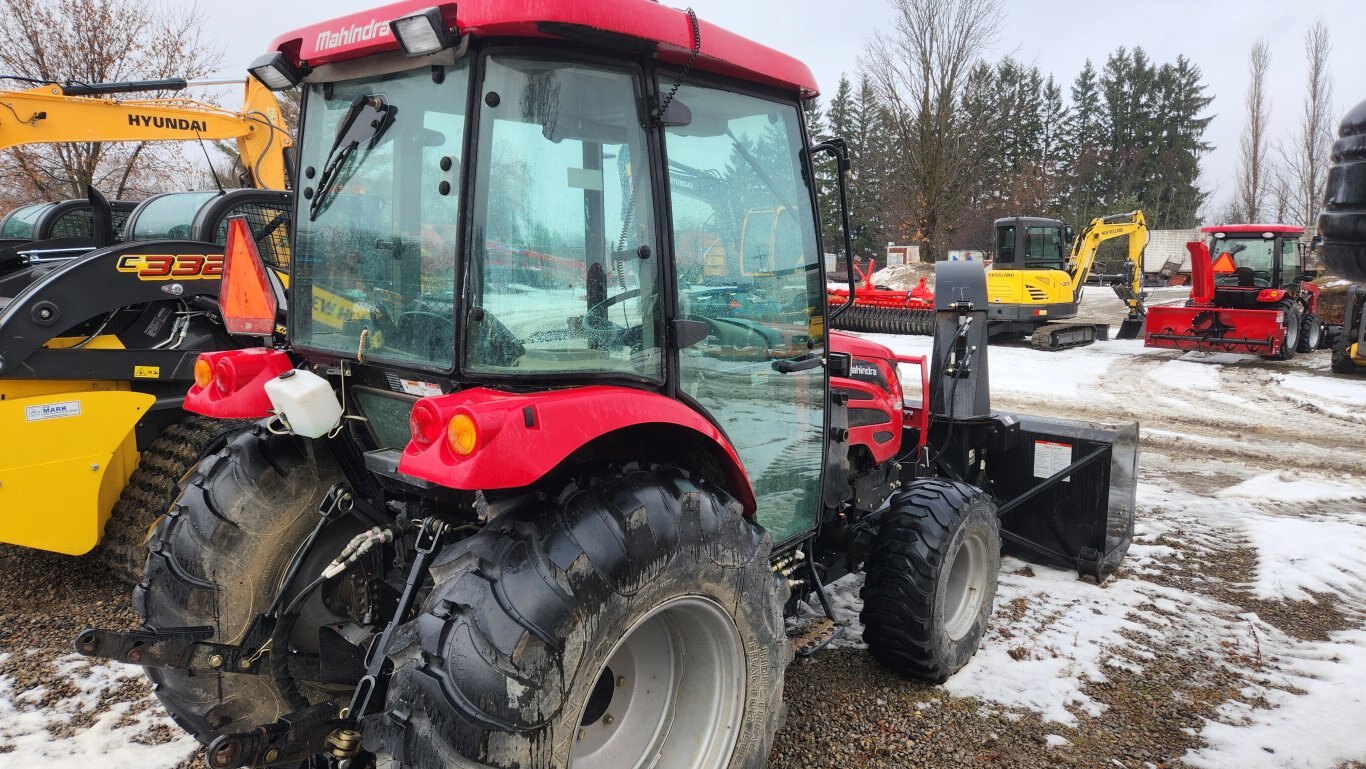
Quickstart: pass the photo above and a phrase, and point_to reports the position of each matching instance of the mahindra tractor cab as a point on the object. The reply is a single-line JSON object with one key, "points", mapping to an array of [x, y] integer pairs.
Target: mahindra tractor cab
{"points": [[559, 437]]}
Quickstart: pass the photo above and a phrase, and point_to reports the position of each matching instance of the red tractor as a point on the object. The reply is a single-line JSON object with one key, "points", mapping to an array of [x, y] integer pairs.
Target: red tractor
{"points": [[489, 521], [1249, 294]]}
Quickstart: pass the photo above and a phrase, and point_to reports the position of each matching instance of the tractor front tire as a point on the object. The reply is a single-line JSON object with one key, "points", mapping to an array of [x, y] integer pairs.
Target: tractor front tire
{"points": [[1292, 333], [633, 617], [931, 578], [1311, 334], [152, 486], [217, 559]]}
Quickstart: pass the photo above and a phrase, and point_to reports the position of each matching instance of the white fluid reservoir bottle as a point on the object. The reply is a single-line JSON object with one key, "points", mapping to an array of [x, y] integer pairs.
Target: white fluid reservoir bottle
{"points": [[306, 401]]}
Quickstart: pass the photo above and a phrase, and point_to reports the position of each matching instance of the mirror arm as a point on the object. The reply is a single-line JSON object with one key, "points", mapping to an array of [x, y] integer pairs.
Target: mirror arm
{"points": [[839, 149]]}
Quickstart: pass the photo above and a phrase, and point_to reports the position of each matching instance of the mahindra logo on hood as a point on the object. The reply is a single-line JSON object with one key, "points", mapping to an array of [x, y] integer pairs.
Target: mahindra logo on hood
{"points": [[356, 33]]}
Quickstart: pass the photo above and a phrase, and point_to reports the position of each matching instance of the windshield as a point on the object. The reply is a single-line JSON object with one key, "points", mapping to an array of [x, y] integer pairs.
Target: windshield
{"points": [[375, 258], [19, 224], [168, 217], [1246, 262], [563, 272]]}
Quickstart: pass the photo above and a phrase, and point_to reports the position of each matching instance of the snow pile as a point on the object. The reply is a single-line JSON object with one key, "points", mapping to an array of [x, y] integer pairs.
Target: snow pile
{"points": [[97, 724], [904, 277]]}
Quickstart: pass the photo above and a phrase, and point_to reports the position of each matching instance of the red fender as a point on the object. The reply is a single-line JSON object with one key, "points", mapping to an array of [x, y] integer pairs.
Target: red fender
{"points": [[237, 387], [521, 437]]}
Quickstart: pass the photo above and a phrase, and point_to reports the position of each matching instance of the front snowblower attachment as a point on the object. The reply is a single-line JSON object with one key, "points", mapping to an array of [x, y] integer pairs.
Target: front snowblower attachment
{"points": [[1065, 489], [1206, 326], [883, 310]]}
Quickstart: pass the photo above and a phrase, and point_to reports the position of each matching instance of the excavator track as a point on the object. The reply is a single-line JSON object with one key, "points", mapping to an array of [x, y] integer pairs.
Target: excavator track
{"points": [[879, 320], [152, 487], [1061, 336]]}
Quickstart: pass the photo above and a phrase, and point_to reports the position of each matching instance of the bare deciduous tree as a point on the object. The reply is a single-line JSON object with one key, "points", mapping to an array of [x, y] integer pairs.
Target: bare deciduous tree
{"points": [[1305, 158], [1253, 174], [92, 41], [918, 70]]}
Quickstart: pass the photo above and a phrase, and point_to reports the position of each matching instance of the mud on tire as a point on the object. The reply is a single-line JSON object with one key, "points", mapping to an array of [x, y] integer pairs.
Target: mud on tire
{"points": [[217, 558], [152, 486], [508, 663], [931, 578]]}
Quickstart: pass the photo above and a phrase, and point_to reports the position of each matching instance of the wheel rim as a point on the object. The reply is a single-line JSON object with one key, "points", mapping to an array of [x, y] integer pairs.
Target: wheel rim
{"points": [[1292, 334], [670, 695], [967, 585], [1315, 335]]}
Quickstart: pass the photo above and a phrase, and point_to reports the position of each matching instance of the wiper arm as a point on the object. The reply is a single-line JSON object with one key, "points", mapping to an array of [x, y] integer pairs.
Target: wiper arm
{"points": [[365, 122]]}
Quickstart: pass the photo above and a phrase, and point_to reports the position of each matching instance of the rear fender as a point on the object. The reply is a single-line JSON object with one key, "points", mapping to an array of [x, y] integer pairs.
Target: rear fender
{"points": [[520, 438]]}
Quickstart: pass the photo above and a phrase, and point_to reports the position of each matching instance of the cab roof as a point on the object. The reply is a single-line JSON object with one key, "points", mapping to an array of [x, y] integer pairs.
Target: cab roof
{"points": [[1254, 229], [600, 23]]}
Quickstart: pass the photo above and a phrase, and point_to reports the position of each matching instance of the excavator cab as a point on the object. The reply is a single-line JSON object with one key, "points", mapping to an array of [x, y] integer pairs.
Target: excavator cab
{"points": [[1032, 243]]}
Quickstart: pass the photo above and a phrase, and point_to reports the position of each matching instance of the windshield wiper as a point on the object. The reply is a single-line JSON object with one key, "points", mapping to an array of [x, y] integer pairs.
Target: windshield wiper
{"points": [[365, 121]]}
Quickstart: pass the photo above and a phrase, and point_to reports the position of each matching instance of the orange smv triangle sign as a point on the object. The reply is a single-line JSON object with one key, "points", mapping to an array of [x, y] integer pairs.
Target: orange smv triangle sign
{"points": [[1225, 263]]}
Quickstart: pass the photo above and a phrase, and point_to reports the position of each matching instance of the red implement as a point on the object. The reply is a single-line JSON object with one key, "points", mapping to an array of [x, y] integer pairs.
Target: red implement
{"points": [[1204, 325], [883, 310]]}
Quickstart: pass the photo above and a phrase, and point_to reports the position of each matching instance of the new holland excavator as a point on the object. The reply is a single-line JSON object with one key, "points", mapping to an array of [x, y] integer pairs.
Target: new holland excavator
{"points": [[102, 317], [1034, 285]]}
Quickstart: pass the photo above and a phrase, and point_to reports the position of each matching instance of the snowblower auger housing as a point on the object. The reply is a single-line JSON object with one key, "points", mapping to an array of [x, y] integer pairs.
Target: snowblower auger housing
{"points": [[565, 435]]}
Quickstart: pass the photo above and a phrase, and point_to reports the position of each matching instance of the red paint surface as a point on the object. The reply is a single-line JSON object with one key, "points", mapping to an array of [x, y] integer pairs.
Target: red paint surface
{"points": [[891, 403], [1244, 229], [1256, 332], [666, 28], [251, 369], [509, 454]]}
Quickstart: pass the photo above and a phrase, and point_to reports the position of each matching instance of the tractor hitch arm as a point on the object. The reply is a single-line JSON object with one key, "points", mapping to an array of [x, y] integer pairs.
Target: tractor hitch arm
{"points": [[293, 739], [183, 648]]}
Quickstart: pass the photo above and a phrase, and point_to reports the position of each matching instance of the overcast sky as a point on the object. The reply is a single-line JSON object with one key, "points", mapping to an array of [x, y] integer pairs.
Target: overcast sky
{"points": [[1056, 35]]}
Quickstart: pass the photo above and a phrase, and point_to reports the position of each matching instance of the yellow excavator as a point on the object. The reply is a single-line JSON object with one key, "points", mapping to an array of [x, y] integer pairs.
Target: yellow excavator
{"points": [[70, 113], [1036, 281]]}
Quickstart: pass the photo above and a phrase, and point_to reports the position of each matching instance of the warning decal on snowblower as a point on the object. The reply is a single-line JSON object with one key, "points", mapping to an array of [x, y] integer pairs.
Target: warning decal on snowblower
{"points": [[1050, 458]]}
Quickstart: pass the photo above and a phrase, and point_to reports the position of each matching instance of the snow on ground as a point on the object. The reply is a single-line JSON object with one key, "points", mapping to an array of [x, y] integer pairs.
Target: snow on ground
{"points": [[83, 728], [1266, 478]]}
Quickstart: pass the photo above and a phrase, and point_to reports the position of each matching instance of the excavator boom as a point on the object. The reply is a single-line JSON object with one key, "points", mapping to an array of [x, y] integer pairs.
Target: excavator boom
{"points": [[48, 115], [1083, 258]]}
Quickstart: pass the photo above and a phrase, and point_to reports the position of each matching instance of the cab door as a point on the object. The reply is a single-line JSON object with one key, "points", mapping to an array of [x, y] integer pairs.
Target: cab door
{"points": [[749, 269]]}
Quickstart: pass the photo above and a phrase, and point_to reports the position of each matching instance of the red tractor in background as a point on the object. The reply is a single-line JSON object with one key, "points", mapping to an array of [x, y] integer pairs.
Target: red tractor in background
{"points": [[1249, 294]]}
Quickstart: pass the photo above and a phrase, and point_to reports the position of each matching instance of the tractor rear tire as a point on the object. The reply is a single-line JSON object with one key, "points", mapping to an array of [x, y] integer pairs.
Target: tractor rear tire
{"points": [[1311, 334], [218, 557], [931, 579], [152, 486], [635, 615], [1292, 333]]}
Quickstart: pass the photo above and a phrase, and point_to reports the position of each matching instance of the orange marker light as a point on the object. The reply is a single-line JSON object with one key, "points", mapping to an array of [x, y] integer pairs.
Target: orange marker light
{"points": [[461, 434], [246, 296], [203, 373]]}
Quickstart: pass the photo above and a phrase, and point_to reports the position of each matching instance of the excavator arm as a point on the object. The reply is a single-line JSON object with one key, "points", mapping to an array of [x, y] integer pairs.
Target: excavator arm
{"points": [[49, 115], [1083, 256]]}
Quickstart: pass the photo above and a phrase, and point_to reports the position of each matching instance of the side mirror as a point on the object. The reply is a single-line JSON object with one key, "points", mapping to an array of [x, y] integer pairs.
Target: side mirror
{"points": [[676, 115], [1308, 276]]}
